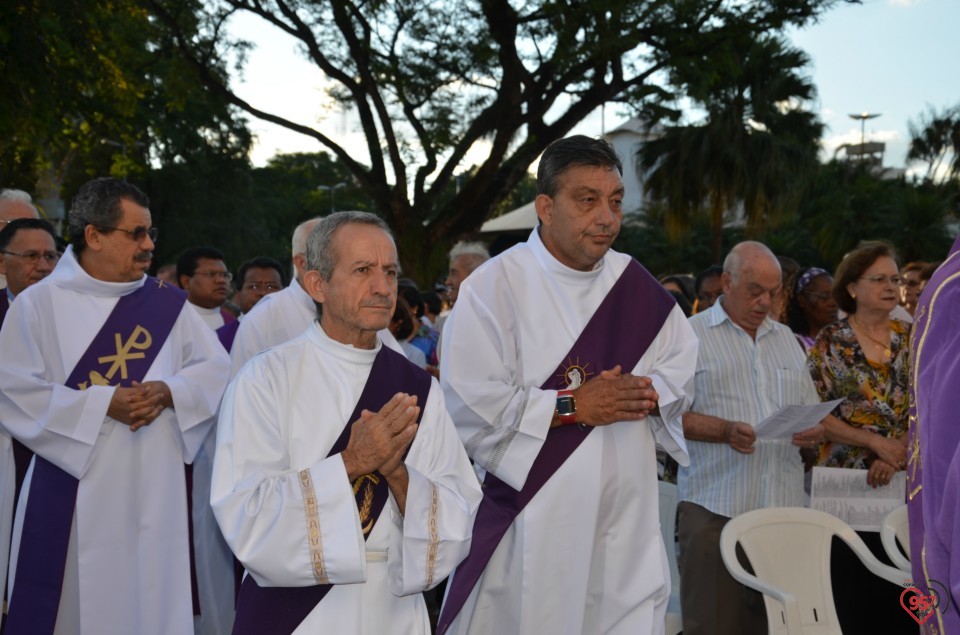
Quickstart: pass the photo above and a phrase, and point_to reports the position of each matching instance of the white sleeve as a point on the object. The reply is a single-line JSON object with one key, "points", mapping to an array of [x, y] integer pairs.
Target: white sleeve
{"points": [[289, 528], [673, 370], [198, 385], [502, 424], [443, 495]]}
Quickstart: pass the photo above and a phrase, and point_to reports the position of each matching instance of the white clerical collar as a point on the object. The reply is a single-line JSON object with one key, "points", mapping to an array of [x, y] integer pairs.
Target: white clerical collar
{"points": [[70, 275], [346, 352], [554, 267]]}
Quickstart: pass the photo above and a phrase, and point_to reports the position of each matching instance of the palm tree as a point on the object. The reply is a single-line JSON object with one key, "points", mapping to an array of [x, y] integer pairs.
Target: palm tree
{"points": [[754, 149], [933, 140]]}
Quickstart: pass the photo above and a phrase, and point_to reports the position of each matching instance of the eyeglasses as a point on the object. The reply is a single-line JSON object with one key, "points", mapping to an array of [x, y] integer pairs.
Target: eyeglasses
{"points": [[138, 233], [884, 280], [226, 275], [823, 296], [32, 257], [707, 296], [908, 282], [256, 286]]}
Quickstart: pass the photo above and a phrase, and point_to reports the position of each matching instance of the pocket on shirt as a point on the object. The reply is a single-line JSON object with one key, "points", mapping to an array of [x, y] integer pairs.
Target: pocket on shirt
{"points": [[790, 383]]}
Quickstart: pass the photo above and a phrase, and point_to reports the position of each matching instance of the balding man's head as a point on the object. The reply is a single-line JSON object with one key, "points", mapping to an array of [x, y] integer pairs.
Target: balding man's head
{"points": [[16, 204], [751, 281]]}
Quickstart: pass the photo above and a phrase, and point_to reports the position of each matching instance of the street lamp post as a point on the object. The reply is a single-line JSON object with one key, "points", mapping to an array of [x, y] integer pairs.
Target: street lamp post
{"points": [[332, 189], [863, 116]]}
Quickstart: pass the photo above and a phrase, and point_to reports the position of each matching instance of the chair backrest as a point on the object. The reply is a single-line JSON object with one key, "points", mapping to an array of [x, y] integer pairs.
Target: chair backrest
{"points": [[896, 528], [789, 550]]}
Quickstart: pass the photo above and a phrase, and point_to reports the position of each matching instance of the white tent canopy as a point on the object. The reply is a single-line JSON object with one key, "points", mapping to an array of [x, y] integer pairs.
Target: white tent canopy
{"points": [[524, 218]]}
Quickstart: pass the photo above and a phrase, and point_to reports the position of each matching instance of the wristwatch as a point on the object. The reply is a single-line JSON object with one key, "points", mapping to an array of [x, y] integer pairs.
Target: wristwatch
{"points": [[566, 407]]}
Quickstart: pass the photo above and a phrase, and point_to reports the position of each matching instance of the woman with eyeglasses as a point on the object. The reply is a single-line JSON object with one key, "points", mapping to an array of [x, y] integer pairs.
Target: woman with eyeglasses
{"points": [[862, 358], [809, 305]]}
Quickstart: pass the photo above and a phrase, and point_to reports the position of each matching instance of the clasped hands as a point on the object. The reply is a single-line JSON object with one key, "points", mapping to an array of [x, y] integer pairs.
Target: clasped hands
{"points": [[141, 403], [891, 457], [379, 439], [614, 396]]}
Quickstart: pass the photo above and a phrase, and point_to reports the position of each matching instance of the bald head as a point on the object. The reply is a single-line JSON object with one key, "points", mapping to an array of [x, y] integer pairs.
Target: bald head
{"points": [[298, 246], [749, 256], [751, 282], [16, 204]]}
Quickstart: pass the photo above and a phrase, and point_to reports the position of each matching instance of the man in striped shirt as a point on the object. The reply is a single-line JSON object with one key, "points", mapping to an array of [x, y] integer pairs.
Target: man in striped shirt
{"points": [[749, 367]]}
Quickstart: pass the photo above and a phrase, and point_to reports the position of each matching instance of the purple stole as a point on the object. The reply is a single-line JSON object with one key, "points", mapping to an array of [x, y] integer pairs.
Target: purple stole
{"points": [[933, 468], [227, 333], [619, 332], [128, 342], [279, 610]]}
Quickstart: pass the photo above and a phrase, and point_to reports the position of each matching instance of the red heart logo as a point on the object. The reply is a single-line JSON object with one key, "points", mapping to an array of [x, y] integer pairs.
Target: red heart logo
{"points": [[917, 604]]}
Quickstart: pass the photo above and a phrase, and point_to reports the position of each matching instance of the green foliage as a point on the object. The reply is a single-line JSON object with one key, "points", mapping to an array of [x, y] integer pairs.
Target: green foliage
{"points": [[847, 205], [91, 90]]}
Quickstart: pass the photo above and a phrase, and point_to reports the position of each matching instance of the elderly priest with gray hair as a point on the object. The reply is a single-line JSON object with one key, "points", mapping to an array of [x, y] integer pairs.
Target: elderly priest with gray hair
{"points": [[339, 480]]}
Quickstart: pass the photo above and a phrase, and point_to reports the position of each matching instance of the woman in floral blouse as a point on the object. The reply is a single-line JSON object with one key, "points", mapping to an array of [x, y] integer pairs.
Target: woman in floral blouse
{"points": [[863, 359]]}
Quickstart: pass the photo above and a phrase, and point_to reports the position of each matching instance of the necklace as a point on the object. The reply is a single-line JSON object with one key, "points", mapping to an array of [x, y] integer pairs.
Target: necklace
{"points": [[880, 345]]}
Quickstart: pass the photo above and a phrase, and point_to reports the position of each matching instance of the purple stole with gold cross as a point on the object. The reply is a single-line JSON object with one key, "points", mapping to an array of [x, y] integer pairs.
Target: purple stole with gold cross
{"points": [[619, 332], [279, 610], [121, 352]]}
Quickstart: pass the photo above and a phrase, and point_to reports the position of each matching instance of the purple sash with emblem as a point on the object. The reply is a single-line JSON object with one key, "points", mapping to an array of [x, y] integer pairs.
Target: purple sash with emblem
{"points": [[121, 353], [619, 332], [279, 610]]}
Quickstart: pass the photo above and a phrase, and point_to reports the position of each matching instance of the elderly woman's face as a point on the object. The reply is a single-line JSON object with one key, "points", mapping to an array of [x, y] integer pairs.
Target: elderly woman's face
{"points": [[878, 289], [817, 302]]}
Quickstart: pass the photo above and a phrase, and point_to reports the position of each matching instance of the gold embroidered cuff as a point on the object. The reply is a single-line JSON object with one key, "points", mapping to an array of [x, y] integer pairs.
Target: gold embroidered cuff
{"points": [[312, 516]]}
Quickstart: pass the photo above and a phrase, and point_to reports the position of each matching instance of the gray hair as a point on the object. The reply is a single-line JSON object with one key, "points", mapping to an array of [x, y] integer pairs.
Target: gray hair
{"points": [[475, 250], [98, 203], [320, 254], [17, 196], [745, 254], [299, 243]]}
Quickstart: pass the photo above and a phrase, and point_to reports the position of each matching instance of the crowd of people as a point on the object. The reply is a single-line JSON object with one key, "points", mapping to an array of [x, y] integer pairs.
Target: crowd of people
{"points": [[203, 452]]}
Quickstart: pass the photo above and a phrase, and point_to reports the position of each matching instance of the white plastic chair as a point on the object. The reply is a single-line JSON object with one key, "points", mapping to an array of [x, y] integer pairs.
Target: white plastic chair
{"points": [[896, 527], [669, 498], [789, 549]]}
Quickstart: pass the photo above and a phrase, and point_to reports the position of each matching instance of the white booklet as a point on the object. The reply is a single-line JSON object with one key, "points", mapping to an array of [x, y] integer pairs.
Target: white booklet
{"points": [[844, 493], [783, 424]]}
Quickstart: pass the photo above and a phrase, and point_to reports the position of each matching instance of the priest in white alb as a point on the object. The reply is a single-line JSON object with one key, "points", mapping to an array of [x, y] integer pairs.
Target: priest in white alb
{"points": [[339, 480], [564, 364], [112, 381]]}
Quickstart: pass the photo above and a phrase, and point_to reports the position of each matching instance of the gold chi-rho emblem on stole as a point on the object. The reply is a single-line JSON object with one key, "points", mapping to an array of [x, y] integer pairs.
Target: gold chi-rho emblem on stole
{"points": [[128, 349]]}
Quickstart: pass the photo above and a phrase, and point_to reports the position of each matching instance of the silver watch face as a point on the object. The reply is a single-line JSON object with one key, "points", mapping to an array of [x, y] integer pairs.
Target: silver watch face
{"points": [[566, 405]]}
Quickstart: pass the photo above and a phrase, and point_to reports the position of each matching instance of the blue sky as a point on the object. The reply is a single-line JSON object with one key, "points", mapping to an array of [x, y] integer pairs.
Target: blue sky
{"points": [[882, 56]]}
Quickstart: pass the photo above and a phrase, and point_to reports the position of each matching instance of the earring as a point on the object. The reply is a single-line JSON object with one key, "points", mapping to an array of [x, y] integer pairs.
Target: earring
{"points": [[853, 295]]}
